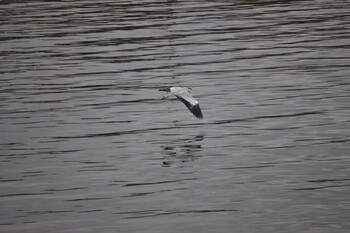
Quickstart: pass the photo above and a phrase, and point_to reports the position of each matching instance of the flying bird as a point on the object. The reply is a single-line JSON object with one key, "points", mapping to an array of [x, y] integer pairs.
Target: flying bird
{"points": [[183, 94]]}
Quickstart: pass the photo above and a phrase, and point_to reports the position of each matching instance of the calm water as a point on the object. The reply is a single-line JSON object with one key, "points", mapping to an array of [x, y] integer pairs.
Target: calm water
{"points": [[87, 145]]}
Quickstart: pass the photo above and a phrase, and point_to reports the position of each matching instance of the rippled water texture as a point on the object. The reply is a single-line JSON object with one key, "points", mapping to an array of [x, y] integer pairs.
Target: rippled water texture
{"points": [[88, 145]]}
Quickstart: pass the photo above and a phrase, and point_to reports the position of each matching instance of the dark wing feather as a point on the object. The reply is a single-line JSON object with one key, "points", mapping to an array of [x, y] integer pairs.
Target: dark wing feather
{"points": [[195, 109]]}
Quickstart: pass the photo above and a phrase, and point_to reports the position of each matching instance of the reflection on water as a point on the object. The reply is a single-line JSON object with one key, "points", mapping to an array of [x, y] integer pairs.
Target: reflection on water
{"points": [[183, 150], [88, 145]]}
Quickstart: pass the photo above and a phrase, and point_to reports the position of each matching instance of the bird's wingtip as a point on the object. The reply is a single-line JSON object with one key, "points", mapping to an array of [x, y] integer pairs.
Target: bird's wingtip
{"points": [[197, 111]]}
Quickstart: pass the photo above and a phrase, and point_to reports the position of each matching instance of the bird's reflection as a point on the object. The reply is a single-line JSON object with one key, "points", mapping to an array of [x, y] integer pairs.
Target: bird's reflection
{"points": [[182, 150]]}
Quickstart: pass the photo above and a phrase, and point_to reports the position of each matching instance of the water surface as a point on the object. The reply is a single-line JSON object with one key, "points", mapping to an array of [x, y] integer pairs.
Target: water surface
{"points": [[87, 144]]}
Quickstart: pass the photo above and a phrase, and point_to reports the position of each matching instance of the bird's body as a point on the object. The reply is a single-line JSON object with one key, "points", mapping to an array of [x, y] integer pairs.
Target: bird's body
{"points": [[183, 94]]}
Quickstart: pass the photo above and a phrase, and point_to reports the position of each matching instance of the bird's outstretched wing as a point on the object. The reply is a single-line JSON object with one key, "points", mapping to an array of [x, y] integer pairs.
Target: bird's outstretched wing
{"points": [[191, 103]]}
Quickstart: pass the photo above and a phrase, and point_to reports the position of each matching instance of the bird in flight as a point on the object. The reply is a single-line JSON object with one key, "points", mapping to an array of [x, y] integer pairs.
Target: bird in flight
{"points": [[183, 94]]}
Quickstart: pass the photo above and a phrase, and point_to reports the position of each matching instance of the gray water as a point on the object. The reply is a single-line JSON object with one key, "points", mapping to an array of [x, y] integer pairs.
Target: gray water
{"points": [[88, 145]]}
